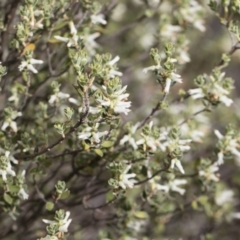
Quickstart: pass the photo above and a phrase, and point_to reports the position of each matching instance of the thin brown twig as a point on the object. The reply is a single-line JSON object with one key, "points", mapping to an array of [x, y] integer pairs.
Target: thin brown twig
{"points": [[234, 48], [193, 115], [154, 175], [154, 110]]}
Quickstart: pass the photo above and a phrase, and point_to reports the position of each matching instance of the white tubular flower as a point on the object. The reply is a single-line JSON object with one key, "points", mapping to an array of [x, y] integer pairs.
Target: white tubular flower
{"points": [[92, 134], [220, 160], [96, 136], [183, 57], [173, 185], [113, 61], [113, 73], [178, 165], [210, 173], [22, 193], [99, 18], [37, 25], [73, 30], [196, 93], [122, 106], [62, 39], [234, 215], [150, 142], [227, 101], [86, 134], [6, 167], [71, 41], [55, 97], [182, 144], [73, 101], [65, 223], [62, 224], [199, 25], [221, 93], [92, 110], [29, 65], [90, 43], [7, 170], [125, 180], [168, 85], [170, 31], [224, 196], [172, 78], [225, 199], [160, 187], [11, 124], [152, 68]]}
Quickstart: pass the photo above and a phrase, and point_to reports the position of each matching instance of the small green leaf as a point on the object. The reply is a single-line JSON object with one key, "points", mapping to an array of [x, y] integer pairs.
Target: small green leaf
{"points": [[13, 188], [8, 198], [60, 24], [107, 144], [65, 194], [68, 113], [49, 206], [98, 152], [86, 146], [141, 214], [194, 205], [144, 171], [109, 196], [203, 200]]}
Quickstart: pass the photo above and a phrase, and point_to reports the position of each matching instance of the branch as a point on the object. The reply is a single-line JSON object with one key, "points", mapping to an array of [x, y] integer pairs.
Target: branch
{"points": [[154, 110]]}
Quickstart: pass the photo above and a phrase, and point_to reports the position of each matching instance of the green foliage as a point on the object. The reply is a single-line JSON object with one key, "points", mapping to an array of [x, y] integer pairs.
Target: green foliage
{"points": [[97, 141]]}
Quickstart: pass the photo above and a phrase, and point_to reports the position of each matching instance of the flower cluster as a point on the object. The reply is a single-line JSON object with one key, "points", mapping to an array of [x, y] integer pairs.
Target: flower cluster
{"points": [[228, 144], [173, 185], [191, 12], [92, 134], [28, 64], [125, 161], [213, 88], [6, 167], [208, 171], [151, 138], [126, 179], [165, 72], [121, 178], [175, 148], [59, 225], [10, 116], [71, 41], [113, 98]]}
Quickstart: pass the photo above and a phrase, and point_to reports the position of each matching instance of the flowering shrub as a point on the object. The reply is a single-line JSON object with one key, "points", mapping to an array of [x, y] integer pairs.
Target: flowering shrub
{"points": [[118, 119]]}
